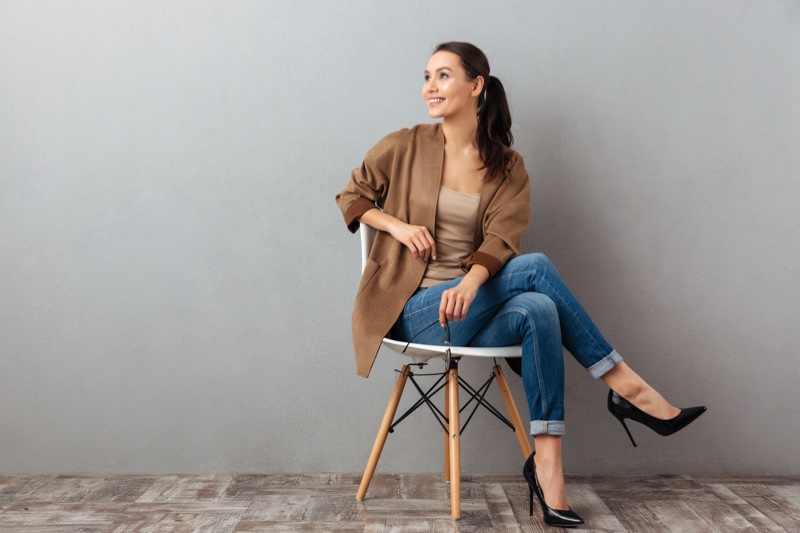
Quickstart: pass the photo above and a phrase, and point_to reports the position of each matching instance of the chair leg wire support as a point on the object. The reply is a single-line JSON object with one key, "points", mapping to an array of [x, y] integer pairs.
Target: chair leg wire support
{"points": [[426, 396]]}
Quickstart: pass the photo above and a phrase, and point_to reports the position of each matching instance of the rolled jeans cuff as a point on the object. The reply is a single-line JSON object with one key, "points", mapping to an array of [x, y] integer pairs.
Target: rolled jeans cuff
{"points": [[605, 364], [547, 427]]}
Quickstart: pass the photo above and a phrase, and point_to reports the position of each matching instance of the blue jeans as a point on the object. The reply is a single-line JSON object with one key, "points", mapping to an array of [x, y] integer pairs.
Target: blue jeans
{"points": [[526, 303]]}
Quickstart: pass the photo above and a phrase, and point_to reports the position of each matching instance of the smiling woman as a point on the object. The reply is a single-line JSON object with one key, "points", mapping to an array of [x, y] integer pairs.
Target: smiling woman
{"points": [[455, 202], [457, 73]]}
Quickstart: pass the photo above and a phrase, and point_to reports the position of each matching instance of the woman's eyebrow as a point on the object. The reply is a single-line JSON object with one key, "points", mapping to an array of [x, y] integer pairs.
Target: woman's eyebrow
{"points": [[438, 69]]}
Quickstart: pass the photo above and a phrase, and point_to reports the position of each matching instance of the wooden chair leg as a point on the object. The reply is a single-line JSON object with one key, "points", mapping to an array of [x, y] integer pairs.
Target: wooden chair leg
{"points": [[388, 417], [511, 407], [455, 445], [447, 433]]}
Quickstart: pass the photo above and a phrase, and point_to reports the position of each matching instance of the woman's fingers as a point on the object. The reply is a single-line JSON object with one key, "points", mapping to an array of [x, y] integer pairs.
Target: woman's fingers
{"points": [[414, 247], [464, 309], [426, 245], [453, 307], [431, 243], [424, 248]]}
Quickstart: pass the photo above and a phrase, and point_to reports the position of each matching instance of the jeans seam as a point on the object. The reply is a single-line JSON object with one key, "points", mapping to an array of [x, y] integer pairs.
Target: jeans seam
{"points": [[536, 354], [420, 310]]}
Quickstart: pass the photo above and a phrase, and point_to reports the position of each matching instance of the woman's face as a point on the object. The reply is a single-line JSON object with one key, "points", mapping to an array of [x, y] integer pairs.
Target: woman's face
{"points": [[447, 90]]}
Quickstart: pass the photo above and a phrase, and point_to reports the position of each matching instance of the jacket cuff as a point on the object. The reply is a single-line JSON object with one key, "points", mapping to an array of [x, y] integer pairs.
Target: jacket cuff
{"points": [[492, 264], [358, 208]]}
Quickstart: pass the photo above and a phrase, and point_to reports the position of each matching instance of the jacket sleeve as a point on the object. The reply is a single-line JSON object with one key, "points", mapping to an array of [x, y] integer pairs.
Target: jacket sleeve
{"points": [[505, 221], [368, 183]]}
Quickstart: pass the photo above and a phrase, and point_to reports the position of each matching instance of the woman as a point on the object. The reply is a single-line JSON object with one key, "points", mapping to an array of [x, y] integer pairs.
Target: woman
{"points": [[456, 202]]}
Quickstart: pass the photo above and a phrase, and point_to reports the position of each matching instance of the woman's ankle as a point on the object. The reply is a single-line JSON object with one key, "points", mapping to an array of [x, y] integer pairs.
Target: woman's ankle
{"points": [[627, 383], [632, 391]]}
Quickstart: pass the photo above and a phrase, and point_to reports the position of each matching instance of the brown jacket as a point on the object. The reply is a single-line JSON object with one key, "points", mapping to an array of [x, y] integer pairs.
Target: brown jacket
{"points": [[402, 175]]}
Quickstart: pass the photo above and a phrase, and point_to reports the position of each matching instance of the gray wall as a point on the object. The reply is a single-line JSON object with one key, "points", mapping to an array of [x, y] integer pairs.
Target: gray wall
{"points": [[176, 280]]}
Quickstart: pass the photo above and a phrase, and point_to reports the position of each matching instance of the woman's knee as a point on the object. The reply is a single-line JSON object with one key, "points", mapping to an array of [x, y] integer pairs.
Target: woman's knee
{"points": [[535, 305], [540, 260], [531, 308]]}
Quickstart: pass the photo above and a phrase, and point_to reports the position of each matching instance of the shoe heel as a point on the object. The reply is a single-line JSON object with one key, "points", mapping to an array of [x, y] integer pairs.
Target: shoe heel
{"points": [[628, 431], [531, 503]]}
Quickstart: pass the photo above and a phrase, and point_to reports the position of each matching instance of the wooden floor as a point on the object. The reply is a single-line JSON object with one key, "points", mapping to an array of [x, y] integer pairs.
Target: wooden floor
{"points": [[411, 502]]}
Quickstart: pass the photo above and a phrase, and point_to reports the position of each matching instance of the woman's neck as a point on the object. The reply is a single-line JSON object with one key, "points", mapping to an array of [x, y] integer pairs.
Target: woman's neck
{"points": [[461, 132]]}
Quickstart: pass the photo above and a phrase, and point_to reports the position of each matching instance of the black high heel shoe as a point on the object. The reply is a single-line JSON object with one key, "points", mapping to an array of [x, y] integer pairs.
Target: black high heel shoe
{"points": [[552, 517], [622, 409]]}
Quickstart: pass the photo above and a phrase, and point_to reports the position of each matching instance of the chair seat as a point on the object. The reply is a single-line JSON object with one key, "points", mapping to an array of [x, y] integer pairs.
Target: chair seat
{"points": [[423, 352]]}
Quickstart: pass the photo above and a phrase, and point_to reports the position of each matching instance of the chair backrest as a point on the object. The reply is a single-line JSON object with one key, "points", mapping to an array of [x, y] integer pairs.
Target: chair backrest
{"points": [[367, 238]]}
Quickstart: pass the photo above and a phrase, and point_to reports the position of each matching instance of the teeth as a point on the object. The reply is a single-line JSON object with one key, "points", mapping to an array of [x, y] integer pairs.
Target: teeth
{"points": [[436, 100]]}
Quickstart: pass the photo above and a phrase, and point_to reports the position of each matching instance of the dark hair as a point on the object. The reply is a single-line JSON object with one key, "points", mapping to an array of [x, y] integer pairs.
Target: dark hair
{"points": [[494, 118]]}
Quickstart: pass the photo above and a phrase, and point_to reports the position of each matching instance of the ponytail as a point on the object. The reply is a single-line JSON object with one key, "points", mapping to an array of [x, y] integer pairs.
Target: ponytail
{"points": [[494, 117], [494, 127]]}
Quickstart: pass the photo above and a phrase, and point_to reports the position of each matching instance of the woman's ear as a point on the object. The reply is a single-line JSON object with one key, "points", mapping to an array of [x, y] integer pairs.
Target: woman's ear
{"points": [[477, 86]]}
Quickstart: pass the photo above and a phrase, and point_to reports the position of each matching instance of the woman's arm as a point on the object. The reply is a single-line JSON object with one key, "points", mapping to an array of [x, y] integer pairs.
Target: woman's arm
{"points": [[416, 238]]}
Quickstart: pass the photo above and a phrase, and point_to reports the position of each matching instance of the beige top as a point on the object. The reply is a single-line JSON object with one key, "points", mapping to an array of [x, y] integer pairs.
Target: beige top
{"points": [[456, 213]]}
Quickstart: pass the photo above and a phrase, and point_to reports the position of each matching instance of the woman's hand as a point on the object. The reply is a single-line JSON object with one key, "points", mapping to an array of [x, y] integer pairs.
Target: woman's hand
{"points": [[456, 301], [416, 238]]}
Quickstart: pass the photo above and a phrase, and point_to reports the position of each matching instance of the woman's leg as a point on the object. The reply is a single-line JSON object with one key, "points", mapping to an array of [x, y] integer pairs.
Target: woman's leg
{"points": [[525, 273], [532, 319], [533, 273]]}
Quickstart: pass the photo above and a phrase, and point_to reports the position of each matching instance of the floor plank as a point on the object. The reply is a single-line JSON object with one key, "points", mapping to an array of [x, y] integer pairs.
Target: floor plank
{"points": [[194, 488], [680, 518], [120, 489], [500, 511], [593, 510], [278, 508], [60, 513], [636, 517], [723, 516], [299, 527]]}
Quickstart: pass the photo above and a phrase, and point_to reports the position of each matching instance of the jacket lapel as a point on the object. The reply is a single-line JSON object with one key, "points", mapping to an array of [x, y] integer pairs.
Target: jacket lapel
{"points": [[489, 190], [431, 177]]}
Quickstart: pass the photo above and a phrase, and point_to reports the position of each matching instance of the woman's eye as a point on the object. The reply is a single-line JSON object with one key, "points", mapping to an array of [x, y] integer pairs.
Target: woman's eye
{"points": [[443, 75], [427, 77]]}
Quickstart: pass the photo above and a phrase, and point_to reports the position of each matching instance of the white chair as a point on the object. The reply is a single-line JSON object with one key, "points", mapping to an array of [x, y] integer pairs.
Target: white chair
{"points": [[421, 354]]}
